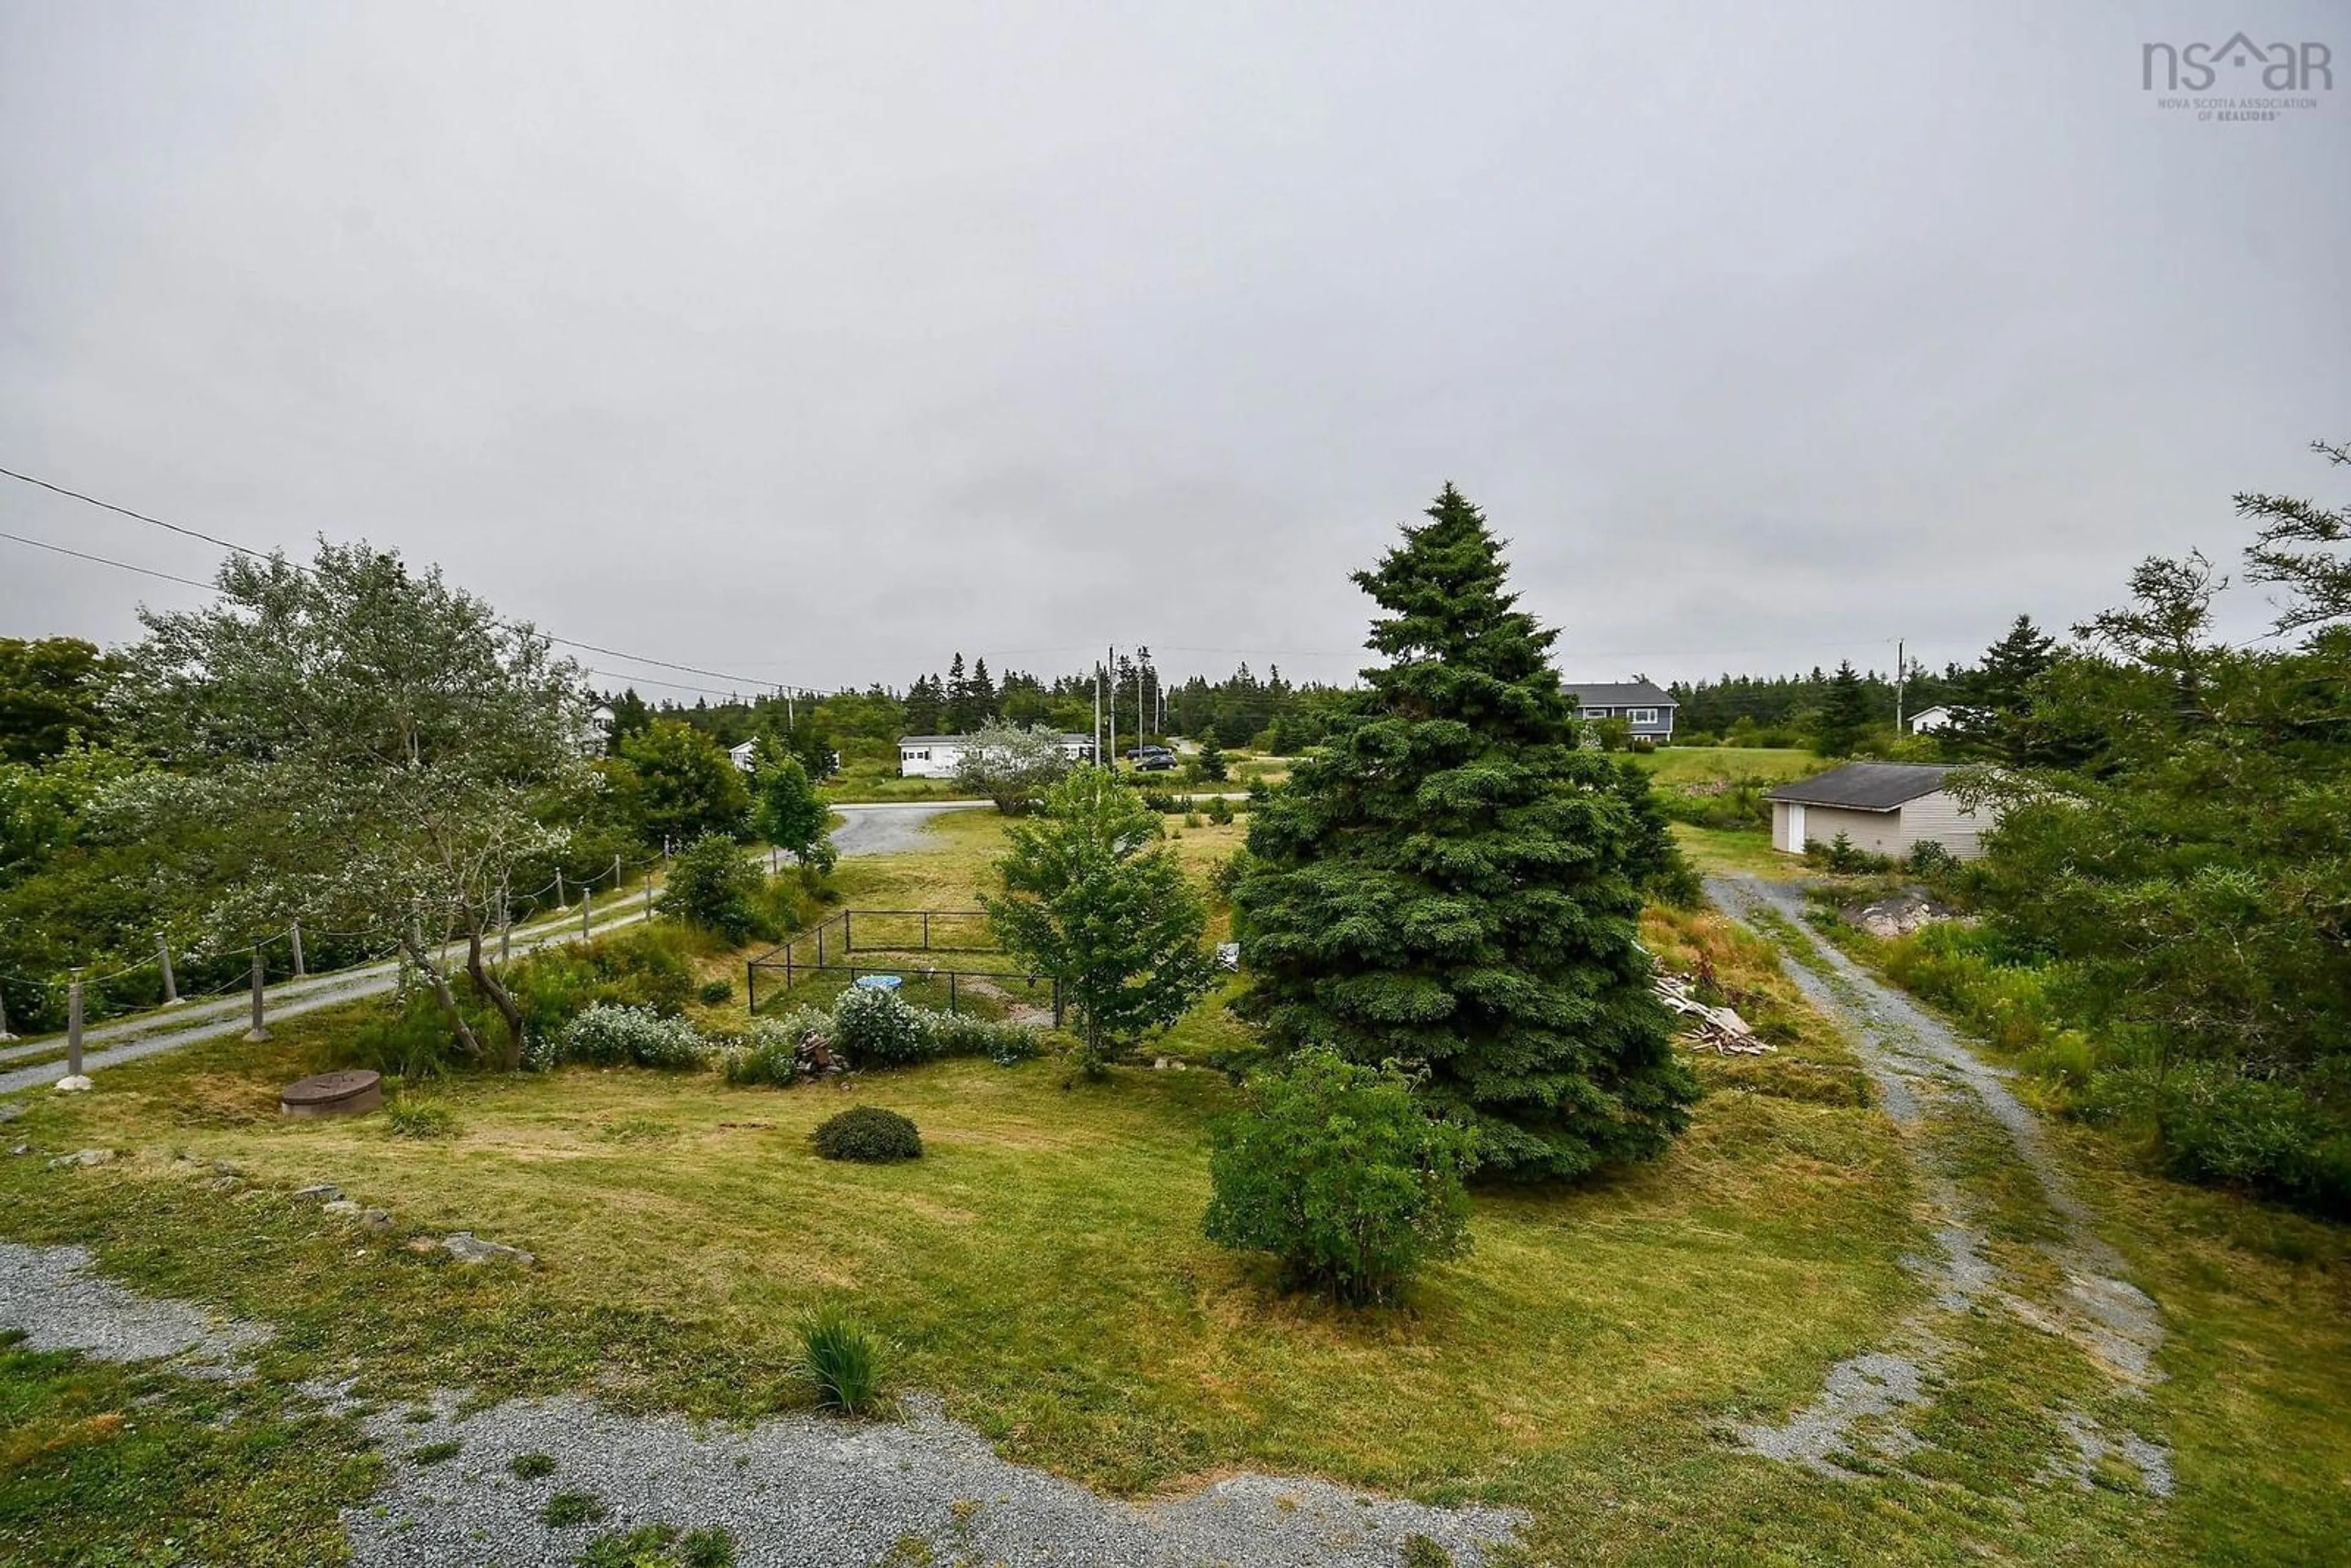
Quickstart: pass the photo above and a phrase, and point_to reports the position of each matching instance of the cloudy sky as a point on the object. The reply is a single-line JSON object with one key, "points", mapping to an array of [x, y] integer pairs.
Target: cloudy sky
{"points": [[811, 343]]}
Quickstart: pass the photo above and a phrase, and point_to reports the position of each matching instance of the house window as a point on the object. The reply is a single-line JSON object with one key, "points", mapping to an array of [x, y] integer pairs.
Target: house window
{"points": [[1642, 715]]}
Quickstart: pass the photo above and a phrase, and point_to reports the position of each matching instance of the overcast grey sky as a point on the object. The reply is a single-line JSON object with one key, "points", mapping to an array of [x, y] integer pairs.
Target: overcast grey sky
{"points": [[815, 342]]}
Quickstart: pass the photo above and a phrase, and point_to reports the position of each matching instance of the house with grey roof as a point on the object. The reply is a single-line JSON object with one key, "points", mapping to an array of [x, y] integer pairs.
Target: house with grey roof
{"points": [[1884, 808], [1644, 704]]}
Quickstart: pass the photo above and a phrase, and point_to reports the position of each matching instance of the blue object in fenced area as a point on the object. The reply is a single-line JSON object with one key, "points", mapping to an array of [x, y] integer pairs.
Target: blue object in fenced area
{"points": [[878, 982]]}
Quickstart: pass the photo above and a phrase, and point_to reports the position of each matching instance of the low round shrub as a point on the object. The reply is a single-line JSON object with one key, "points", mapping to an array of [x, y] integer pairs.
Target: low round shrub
{"points": [[870, 1134], [614, 1037], [1340, 1173], [878, 1029], [717, 992]]}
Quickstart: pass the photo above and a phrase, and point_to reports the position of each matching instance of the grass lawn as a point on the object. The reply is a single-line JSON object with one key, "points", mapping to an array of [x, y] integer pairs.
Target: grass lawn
{"points": [[1699, 764], [1042, 1270], [1735, 852]]}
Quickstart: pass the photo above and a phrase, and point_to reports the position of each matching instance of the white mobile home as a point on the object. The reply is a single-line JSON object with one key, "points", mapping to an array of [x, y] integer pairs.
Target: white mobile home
{"points": [[935, 756], [1883, 808]]}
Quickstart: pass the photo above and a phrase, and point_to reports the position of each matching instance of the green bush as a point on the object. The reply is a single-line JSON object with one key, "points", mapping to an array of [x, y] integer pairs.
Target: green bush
{"points": [[1340, 1173], [715, 993], [2214, 1127], [1845, 858], [841, 1359], [768, 1054], [642, 967], [410, 1038], [614, 1037], [868, 1134], [964, 1034], [1221, 810], [1929, 858], [713, 885], [875, 1028]]}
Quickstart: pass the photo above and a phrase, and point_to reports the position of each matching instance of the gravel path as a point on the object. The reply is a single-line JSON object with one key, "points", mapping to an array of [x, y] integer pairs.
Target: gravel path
{"points": [[890, 829], [53, 1294], [1923, 1073], [811, 1492], [798, 1490]]}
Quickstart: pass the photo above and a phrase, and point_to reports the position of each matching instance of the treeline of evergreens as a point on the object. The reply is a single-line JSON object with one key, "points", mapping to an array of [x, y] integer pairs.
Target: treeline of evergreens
{"points": [[1788, 706], [1241, 709]]}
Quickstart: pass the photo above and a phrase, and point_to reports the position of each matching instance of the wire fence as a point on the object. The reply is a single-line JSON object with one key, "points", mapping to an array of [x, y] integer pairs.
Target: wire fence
{"points": [[900, 943]]}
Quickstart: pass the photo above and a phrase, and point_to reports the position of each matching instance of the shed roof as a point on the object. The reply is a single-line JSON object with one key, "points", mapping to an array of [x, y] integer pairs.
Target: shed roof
{"points": [[1619, 694], [1865, 785]]}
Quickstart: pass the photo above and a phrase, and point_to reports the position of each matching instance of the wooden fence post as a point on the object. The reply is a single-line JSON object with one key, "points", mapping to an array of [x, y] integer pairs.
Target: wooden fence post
{"points": [[73, 1029], [951, 991], [300, 969], [848, 934], [4, 1017], [559, 899], [587, 896], [926, 930], [260, 1030], [751, 986], [163, 956]]}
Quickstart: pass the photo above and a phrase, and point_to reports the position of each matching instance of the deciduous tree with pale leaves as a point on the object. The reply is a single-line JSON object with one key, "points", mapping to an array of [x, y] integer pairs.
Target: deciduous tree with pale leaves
{"points": [[378, 748]]}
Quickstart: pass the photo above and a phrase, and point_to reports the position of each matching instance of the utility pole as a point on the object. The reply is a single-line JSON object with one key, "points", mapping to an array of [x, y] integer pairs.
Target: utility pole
{"points": [[1110, 674], [1901, 670], [1097, 738]]}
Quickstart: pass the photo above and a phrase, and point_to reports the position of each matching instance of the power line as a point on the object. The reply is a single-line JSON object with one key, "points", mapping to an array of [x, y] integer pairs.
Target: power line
{"points": [[261, 555], [102, 560], [141, 516]]}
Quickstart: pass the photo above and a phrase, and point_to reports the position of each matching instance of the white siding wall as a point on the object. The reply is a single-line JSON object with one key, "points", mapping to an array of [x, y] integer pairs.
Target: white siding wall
{"points": [[936, 760], [1937, 816], [1940, 817]]}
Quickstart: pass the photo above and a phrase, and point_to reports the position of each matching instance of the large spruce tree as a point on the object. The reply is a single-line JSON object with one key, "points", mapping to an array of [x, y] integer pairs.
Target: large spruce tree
{"points": [[1452, 882]]}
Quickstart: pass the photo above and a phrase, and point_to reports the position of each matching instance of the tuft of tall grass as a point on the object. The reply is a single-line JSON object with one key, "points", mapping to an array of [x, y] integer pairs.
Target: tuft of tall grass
{"points": [[841, 1358], [414, 1119]]}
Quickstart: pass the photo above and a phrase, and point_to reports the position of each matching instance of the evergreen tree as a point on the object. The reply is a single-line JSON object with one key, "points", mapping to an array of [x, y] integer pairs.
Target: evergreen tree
{"points": [[630, 717], [1997, 692], [981, 694], [925, 711], [958, 699], [1212, 757], [1451, 882], [1844, 713]]}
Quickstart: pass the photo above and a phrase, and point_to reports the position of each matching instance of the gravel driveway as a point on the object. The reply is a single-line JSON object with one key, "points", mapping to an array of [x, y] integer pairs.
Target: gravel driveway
{"points": [[1925, 1076], [891, 829], [796, 1490]]}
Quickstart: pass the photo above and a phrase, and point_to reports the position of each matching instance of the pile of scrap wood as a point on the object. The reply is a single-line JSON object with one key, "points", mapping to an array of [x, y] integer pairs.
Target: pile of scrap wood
{"points": [[1718, 1030]]}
